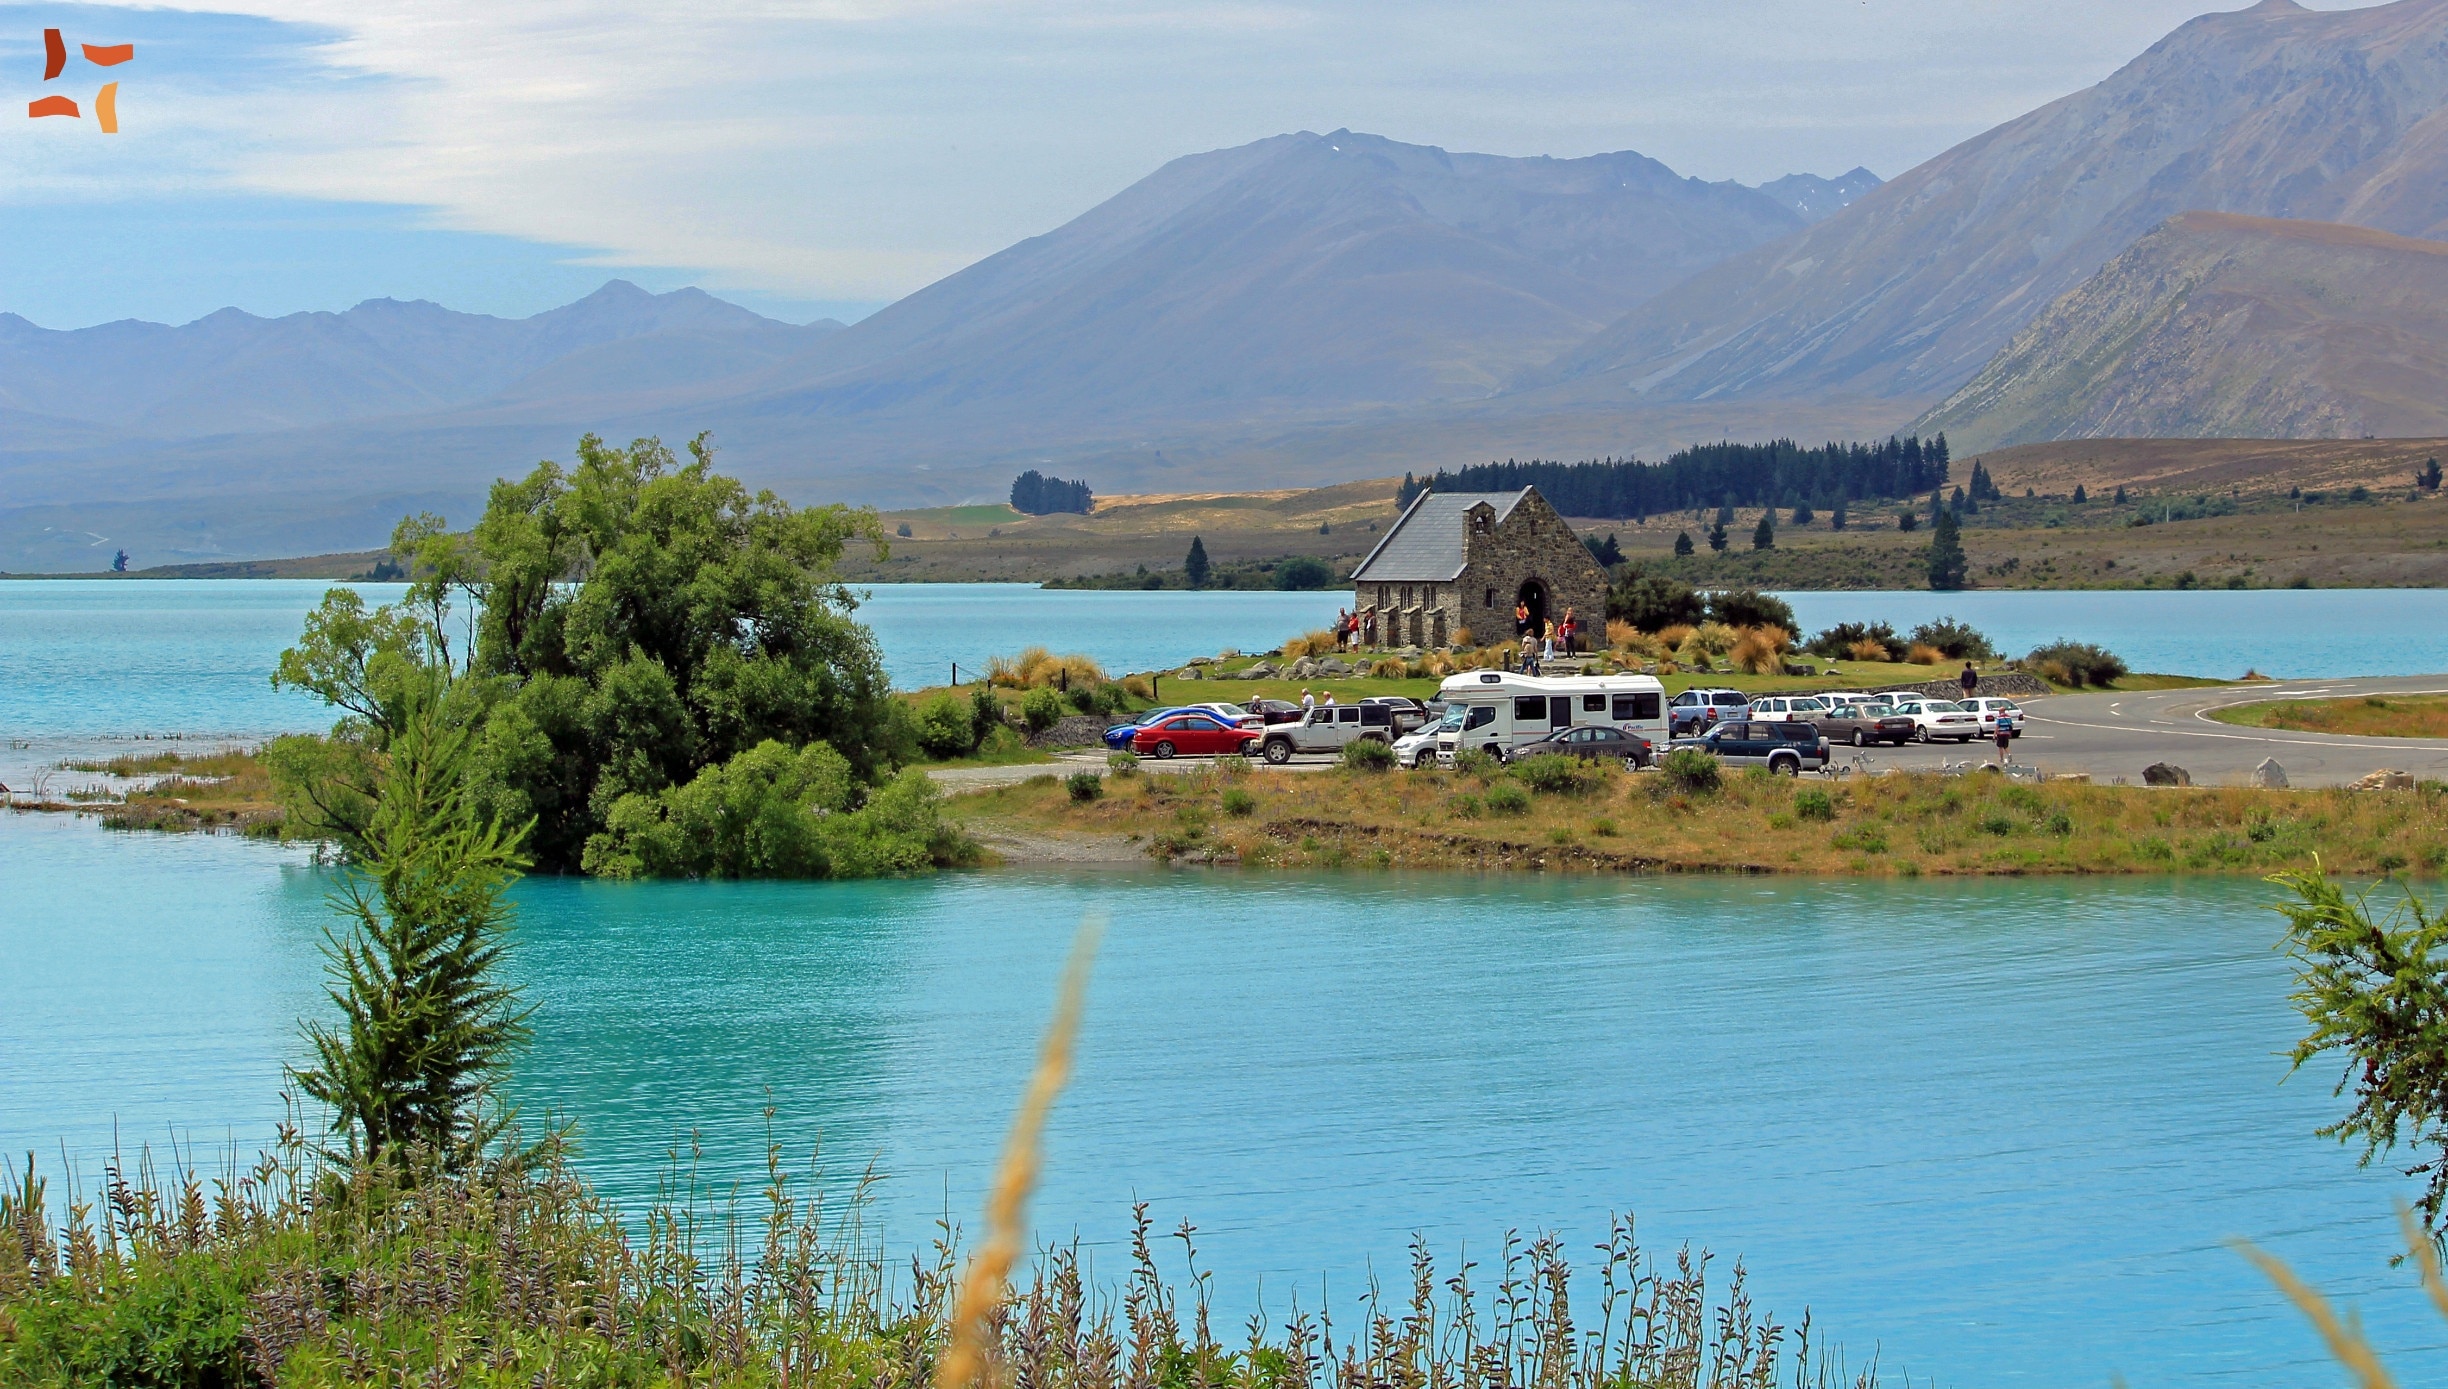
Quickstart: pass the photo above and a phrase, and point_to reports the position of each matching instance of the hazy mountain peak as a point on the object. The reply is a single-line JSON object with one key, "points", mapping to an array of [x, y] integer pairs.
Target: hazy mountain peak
{"points": [[2277, 111], [1813, 198]]}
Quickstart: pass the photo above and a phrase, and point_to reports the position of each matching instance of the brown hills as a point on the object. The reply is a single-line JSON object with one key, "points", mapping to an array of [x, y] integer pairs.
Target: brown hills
{"points": [[2216, 324]]}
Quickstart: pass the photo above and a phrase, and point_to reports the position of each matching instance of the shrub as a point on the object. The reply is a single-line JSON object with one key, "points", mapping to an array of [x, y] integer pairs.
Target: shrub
{"points": [[777, 812], [1923, 655], [1654, 603], [1748, 607], [947, 726], [1368, 755], [1239, 802], [1508, 798], [2076, 663], [1303, 573], [985, 714], [1603, 827], [1811, 803], [1084, 786], [1958, 641], [1042, 707], [1477, 762], [1232, 766], [1761, 650], [1559, 775], [1468, 807], [1690, 769], [1863, 641], [1122, 763]]}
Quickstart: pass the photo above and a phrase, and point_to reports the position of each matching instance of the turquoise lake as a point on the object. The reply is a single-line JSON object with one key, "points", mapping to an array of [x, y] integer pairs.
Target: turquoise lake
{"points": [[2001, 1132]]}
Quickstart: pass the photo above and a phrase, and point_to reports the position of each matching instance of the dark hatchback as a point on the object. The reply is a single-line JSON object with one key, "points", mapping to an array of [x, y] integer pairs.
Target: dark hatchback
{"points": [[1593, 741]]}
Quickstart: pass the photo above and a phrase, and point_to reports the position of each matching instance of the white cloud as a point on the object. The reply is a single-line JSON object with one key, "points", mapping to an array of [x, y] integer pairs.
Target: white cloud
{"points": [[855, 149]]}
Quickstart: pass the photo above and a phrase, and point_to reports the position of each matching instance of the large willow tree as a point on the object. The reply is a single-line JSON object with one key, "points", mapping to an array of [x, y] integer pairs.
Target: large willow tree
{"points": [[636, 621]]}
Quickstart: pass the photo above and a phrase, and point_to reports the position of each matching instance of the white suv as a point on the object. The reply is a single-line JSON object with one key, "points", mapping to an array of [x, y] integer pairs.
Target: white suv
{"points": [[1991, 709], [1788, 709]]}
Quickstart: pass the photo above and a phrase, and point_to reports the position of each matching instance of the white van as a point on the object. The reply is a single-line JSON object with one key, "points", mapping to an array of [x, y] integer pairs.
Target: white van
{"points": [[1496, 711]]}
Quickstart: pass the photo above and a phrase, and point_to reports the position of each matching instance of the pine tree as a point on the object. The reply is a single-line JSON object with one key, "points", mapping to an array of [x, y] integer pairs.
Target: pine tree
{"points": [[2429, 478], [1683, 544], [1937, 503], [1725, 513], [1802, 514], [1906, 521], [2120, 495], [1717, 537], [1836, 516], [2080, 496], [427, 1027], [1948, 565], [1763, 536], [1194, 567]]}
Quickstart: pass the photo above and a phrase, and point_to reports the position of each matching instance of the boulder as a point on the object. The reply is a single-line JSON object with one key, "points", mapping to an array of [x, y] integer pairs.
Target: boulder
{"points": [[2269, 774], [1202, 660], [1304, 669], [1334, 668], [1190, 672], [1264, 670], [2386, 780], [2166, 774]]}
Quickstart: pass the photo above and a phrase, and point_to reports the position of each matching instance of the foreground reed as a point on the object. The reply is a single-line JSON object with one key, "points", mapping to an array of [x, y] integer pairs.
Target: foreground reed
{"points": [[501, 1273]]}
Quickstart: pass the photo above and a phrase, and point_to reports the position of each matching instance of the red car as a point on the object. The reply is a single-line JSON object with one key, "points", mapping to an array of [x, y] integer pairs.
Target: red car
{"points": [[1193, 733]]}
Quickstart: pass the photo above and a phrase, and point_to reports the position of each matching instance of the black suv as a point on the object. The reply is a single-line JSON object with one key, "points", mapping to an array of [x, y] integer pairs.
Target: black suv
{"points": [[1791, 748]]}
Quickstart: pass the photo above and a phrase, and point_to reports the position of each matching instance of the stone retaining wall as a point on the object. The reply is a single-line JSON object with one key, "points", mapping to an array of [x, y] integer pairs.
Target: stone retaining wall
{"points": [[2013, 684], [1074, 731]]}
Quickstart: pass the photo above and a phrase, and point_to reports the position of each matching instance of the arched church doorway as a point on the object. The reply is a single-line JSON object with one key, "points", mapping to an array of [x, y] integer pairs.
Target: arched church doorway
{"points": [[1533, 595]]}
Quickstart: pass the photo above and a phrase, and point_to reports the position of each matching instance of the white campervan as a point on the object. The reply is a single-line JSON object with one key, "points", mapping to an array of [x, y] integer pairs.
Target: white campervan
{"points": [[1497, 711]]}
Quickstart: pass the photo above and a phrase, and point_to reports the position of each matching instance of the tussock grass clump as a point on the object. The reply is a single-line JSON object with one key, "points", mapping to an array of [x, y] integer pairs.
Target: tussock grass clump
{"points": [[1322, 642], [1761, 650], [1036, 667], [1921, 653]]}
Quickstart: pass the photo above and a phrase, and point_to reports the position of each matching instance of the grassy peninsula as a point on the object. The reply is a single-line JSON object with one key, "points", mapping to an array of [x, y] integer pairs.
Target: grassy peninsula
{"points": [[2372, 716], [1553, 817]]}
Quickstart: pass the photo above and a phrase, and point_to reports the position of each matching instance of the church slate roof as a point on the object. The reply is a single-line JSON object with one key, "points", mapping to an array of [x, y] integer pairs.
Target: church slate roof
{"points": [[1427, 545]]}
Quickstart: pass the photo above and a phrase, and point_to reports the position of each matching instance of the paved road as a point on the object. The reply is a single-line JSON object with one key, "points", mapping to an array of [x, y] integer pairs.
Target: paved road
{"points": [[2117, 735]]}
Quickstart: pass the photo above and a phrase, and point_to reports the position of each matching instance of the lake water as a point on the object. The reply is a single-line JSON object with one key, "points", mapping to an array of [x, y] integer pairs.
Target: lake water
{"points": [[2003, 1130]]}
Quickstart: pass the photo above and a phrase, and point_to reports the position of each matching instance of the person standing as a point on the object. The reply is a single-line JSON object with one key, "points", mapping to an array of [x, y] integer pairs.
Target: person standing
{"points": [[1570, 631], [2005, 738], [1970, 680]]}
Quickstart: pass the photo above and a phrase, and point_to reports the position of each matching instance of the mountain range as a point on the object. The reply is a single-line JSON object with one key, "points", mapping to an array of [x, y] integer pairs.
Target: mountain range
{"points": [[1309, 307]]}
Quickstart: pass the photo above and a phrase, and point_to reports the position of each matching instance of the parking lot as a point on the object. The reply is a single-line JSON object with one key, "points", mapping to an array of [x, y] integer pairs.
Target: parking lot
{"points": [[2108, 736]]}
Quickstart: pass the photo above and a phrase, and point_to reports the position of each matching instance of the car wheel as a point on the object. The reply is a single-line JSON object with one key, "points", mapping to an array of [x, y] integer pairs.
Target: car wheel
{"points": [[1860, 739], [1163, 749], [1920, 735], [1248, 746], [1785, 766], [1632, 762], [1278, 752]]}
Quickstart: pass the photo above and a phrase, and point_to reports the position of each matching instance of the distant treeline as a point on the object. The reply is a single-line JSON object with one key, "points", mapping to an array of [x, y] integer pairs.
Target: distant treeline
{"points": [[1034, 494], [1782, 473]]}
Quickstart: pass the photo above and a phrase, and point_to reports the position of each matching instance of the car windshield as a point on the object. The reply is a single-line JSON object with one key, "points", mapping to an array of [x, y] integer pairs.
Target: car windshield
{"points": [[1943, 706], [1453, 717]]}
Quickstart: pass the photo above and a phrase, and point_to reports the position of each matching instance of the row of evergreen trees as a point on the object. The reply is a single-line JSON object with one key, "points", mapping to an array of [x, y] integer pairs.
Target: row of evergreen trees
{"points": [[1772, 474], [1034, 494]]}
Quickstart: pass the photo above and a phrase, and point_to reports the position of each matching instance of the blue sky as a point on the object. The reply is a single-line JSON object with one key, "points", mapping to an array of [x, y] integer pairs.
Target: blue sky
{"points": [[821, 157]]}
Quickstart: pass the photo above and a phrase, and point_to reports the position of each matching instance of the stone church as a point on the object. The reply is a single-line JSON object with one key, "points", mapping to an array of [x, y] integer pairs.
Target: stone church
{"points": [[1458, 562]]}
